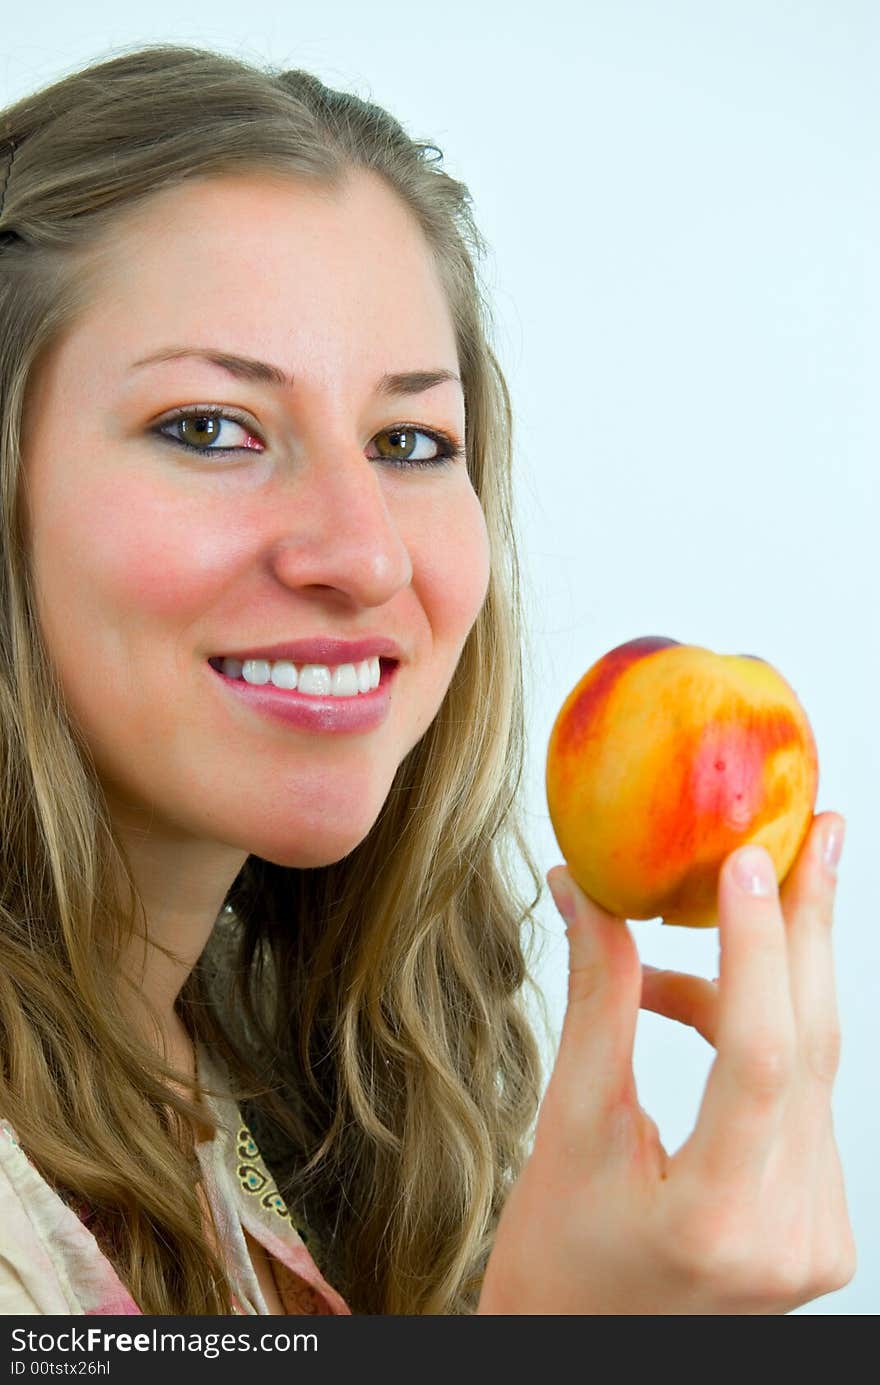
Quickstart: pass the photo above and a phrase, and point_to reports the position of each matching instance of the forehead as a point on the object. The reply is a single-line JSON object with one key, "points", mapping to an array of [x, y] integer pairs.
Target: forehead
{"points": [[326, 279]]}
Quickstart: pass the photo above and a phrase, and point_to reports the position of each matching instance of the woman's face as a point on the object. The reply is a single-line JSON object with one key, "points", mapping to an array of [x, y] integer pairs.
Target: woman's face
{"points": [[151, 559]]}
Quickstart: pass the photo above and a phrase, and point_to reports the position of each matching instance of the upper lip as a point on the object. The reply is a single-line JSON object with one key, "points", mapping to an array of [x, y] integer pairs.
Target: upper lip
{"points": [[322, 649]]}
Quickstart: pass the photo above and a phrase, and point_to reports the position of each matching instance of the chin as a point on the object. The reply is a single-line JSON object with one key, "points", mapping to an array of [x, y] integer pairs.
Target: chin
{"points": [[306, 849]]}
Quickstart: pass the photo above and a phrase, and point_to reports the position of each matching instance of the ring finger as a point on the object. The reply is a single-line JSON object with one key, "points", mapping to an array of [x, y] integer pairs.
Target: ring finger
{"points": [[807, 899]]}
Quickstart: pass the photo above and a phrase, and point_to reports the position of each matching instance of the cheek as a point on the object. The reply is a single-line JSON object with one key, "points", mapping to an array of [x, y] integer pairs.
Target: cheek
{"points": [[123, 577], [118, 564], [453, 571]]}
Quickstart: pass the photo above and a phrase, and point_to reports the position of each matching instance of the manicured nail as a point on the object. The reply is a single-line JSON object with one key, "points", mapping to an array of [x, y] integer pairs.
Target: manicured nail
{"points": [[562, 898], [753, 870], [832, 843]]}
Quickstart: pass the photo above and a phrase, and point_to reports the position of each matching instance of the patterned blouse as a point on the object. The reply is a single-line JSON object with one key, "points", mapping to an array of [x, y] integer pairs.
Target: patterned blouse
{"points": [[51, 1263]]}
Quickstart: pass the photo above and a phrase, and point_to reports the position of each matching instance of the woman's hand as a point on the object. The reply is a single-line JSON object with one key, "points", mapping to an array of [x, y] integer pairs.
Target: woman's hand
{"points": [[750, 1215]]}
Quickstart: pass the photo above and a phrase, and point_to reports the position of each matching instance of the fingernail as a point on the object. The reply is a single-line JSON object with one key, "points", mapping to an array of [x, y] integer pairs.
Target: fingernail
{"points": [[562, 898], [753, 870], [832, 843]]}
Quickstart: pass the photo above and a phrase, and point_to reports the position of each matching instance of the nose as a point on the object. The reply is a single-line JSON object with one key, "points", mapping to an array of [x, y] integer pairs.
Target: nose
{"points": [[339, 533]]}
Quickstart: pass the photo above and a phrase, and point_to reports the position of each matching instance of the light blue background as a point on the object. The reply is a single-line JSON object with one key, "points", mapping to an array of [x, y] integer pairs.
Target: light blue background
{"points": [[682, 204]]}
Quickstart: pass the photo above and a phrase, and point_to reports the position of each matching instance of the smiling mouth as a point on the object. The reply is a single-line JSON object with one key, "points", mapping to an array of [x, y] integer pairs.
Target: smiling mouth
{"points": [[336, 682]]}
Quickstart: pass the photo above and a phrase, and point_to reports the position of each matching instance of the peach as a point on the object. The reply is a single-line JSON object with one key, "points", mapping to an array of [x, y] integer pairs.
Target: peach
{"points": [[663, 759]]}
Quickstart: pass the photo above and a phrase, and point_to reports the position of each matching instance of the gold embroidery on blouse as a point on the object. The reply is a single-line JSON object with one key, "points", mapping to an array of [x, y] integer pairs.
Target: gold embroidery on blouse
{"points": [[255, 1178]]}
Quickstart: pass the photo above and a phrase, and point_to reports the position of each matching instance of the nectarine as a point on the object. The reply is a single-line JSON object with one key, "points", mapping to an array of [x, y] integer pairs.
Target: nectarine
{"points": [[664, 758]]}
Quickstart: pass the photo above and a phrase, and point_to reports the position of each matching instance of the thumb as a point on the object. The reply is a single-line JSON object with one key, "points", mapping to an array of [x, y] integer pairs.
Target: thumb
{"points": [[593, 1066]]}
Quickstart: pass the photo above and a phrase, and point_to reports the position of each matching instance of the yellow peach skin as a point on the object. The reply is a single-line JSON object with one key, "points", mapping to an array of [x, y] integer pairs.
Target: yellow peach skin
{"points": [[663, 759]]}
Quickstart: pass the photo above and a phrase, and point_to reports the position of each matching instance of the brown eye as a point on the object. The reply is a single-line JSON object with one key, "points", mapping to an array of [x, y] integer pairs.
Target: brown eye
{"points": [[402, 442], [402, 445], [198, 430]]}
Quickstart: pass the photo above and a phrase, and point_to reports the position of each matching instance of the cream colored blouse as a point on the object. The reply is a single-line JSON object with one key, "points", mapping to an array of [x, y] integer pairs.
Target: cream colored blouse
{"points": [[51, 1263]]}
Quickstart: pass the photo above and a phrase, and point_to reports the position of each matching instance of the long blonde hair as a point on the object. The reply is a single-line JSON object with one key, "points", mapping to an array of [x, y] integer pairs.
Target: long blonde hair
{"points": [[372, 1011]]}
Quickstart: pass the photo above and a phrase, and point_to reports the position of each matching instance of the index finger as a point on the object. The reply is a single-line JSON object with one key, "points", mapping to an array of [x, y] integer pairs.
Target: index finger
{"points": [[744, 1099]]}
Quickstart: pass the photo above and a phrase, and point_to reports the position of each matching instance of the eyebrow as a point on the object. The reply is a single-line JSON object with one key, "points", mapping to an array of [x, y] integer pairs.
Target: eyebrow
{"points": [[247, 368]]}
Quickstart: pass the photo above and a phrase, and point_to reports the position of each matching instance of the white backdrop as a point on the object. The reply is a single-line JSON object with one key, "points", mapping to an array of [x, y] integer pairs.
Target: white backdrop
{"points": [[682, 205]]}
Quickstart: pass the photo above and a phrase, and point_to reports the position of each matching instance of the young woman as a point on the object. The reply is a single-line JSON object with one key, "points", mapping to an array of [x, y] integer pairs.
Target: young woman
{"points": [[262, 1045]]}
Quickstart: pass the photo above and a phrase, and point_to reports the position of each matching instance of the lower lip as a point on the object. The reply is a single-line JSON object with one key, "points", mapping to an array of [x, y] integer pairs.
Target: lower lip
{"points": [[361, 712]]}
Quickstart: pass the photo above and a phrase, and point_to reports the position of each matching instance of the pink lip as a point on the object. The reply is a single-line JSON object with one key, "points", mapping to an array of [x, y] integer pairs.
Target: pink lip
{"points": [[320, 650], [361, 712]]}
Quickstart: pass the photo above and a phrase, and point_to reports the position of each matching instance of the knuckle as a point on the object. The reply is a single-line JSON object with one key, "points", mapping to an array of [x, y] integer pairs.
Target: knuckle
{"points": [[839, 1271], [585, 982], [722, 1265], [709, 1245], [785, 1280], [763, 1069], [735, 1269], [824, 906], [822, 1054], [719, 1248], [818, 913], [845, 1269], [622, 1131]]}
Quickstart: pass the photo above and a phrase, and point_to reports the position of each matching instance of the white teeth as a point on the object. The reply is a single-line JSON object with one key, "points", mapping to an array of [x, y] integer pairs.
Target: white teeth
{"points": [[345, 681], [315, 678], [256, 671], [321, 680], [284, 674]]}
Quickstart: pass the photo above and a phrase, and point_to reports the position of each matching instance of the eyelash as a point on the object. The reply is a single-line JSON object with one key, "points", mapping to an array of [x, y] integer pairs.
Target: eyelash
{"points": [[450, 451]]}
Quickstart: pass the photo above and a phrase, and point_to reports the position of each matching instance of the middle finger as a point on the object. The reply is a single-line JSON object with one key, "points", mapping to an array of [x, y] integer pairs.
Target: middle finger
{"points": [[748, 1084]]}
